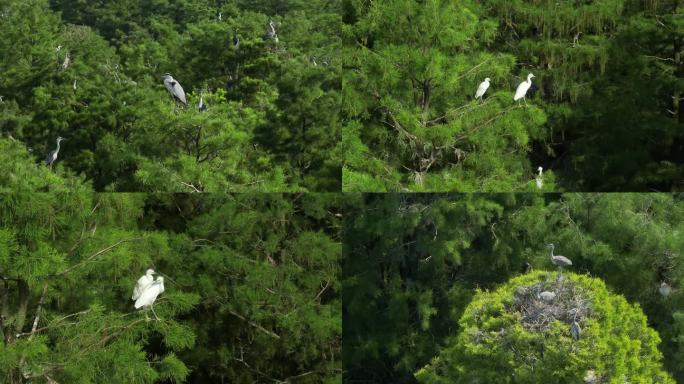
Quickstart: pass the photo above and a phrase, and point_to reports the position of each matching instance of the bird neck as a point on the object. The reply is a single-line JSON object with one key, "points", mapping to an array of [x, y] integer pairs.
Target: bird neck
{"points": [[551, 250], [57, 150]]}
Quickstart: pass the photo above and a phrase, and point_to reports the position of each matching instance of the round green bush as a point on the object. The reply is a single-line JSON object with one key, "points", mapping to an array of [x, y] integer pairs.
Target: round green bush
{"points": [[512, 335]]}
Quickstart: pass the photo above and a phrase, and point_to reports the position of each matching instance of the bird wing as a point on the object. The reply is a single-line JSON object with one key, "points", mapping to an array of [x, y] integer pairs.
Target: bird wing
{"points": [[178, 92], [564, 259], [50, 157], [142, 284], [521, 91], [481, 89], [148, 296]]}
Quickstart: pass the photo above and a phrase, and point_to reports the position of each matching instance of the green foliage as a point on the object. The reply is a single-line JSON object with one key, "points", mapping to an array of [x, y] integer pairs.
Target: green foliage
{"points": [[412, 263], [272, 116], [414, 98], [251, 288], [496, 337], [603, 111]]}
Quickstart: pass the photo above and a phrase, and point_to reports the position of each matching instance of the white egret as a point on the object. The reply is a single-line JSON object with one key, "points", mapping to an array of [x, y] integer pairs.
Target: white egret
{"points": [[201, 106], [482, 89], [522, 89], [539, 180], [65, 63], [143, 283], [150, 294]]}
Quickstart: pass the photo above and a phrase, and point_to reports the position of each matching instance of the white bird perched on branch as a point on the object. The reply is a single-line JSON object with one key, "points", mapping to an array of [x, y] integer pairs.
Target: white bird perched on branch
{"points": [[143, 283], [539, 180], [150, 294], [482, 89], [523, 88]]}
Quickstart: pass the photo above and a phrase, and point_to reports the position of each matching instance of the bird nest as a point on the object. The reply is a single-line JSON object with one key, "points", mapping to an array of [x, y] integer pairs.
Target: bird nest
{"points": [[571, 303]]}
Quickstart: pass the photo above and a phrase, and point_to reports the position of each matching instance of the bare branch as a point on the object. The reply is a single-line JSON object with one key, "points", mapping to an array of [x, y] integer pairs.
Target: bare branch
{"points": [[255, 325], [40, 307]]}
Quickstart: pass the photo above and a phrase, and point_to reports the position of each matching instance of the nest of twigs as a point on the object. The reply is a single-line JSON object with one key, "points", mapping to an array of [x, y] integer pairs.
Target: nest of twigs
{"points": [[571, 303]]}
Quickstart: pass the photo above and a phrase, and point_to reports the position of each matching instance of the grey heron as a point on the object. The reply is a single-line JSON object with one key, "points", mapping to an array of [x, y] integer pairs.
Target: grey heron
{"points": [[272, 34], [522, 89], [143, 283], [175, 89], [560, 261], [482, 89], [52, 156], [236, 39], [149, 295], [575, 330]]}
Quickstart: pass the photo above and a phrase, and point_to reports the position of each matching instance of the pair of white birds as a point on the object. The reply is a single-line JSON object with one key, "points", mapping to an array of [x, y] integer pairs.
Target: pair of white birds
{"points": [[147, 289], [520, 92]]}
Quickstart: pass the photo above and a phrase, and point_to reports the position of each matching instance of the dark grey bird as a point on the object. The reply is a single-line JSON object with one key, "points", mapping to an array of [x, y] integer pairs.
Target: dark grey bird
{"points": [[575, 330], [236, 39], [547, 296], [175, 89], [560, 261], [52, 156]]}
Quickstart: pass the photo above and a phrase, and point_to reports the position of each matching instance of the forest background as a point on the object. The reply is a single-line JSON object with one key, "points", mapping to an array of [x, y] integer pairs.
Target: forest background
{"points": [[91, 72], [604, 113], [252, 288], [413, 262]]}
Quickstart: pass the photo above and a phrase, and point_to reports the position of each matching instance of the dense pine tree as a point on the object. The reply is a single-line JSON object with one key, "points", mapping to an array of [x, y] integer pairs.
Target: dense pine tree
{"points": [[251, 288], [413, 263]]}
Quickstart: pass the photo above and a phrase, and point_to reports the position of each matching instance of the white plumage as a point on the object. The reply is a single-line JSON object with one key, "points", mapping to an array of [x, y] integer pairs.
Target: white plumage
{"points": [[482, 89], [150, 294], [522, 88], [174, 88], [143, 283], [539, 180]]}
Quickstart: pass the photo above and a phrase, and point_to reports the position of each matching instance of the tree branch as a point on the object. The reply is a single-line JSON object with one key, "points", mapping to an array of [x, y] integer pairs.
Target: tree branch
{"points": [[40, 307], [255, 325], [96, 254]]}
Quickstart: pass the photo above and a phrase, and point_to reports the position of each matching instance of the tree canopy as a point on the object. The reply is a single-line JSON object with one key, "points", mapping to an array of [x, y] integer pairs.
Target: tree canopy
{"points": [[513, 335], [604, 111], [413, 263], [261, 306], [91, 72]]}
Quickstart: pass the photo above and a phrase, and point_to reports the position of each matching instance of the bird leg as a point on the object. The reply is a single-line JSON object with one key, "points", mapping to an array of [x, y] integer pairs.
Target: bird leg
{"points": [[155, 314]]}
